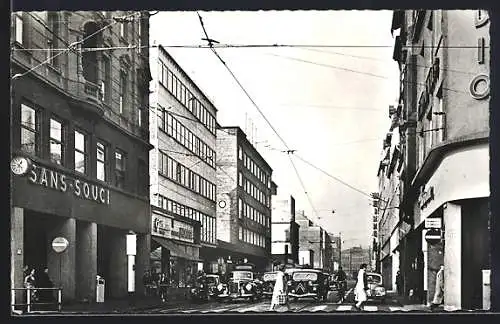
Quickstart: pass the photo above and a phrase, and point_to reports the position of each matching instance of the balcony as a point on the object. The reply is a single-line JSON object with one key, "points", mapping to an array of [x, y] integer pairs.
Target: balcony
{"points": [[86, 95]]}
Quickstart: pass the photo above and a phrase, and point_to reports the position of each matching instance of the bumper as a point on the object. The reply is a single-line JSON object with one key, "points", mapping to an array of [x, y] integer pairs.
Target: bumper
{"points": [[241, 295], [302, 295]]}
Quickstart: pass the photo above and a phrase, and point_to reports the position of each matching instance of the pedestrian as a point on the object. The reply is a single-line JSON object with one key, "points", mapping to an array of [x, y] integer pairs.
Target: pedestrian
{"points": [[439, 292], [147, 282], [399, 283], [30, 283], [43, 281], [361, 287], [163, 287], [280, 290], [341, 278]]}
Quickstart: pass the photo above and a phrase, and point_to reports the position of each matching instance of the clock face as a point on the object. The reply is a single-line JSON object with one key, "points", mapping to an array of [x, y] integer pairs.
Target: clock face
{"points": [[222, 203], [19, 165]]}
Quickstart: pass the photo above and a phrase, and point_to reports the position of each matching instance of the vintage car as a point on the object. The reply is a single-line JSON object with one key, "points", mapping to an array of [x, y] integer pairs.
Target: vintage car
{"points": [[308, 283], [199, 289], [243, 284], [268, 281], [215, 286], [376, 290]]}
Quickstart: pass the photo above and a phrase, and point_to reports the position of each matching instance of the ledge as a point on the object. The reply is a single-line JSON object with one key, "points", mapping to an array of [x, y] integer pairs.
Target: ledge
{"points": [[436, 154]]}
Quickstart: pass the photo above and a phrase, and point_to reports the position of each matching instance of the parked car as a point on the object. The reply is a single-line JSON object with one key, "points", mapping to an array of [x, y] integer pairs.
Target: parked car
{"points": [[215, 286], [376, 290], [199, 289], [268, 282], [243, 284], [308, 283]]}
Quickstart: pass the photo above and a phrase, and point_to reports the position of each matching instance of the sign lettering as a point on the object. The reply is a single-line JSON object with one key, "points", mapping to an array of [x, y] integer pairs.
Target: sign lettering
{"points": [[58, 181], [162, 226]]}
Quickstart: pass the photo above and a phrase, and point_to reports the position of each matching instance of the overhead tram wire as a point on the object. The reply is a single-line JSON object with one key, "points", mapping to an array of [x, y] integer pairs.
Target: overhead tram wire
{"points": [[71, 46], [210, 43]]}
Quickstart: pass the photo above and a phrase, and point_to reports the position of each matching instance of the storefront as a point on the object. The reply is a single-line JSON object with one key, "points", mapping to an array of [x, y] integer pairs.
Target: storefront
{"points": [[457, 196], [175, 249], [48, 202]]}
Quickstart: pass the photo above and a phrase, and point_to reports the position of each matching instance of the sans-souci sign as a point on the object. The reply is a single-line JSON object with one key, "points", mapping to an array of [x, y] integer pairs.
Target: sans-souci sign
{"points": [[56, 180]]}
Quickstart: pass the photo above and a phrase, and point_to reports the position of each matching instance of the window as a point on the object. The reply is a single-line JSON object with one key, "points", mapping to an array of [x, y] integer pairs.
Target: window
{"points": [[30, 130], [56, 146], [101, 161], [106, 80], [19, 30], [123, 90], [240, 179], [120, 168], [123, 30], [80, 152], [53, 24]]}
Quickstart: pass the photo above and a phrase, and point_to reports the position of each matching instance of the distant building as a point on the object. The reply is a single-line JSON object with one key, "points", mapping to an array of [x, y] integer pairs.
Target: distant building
{"points": [[314, 238], [244, 190], [353, 258], [284, 231]]}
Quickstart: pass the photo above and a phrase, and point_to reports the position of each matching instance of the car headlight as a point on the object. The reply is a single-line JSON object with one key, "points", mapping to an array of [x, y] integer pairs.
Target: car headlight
{"points": [[314, 288], [219, 287], [293, 291], [380, 290], [248, 286], [289, 283], [201, 285], [193, 290], [310, 283]]}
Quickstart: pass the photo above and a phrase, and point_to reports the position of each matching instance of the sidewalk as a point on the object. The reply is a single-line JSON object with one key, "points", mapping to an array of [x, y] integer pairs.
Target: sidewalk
{"points": [[411, 307], [124, 305]]}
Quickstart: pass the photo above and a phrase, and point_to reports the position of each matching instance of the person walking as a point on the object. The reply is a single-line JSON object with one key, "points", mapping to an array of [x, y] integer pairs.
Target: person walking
{"points": [[439, 292], [163, 287], [30, 283], [280, 290], [361, 287], [399, 283], [341, 278]]}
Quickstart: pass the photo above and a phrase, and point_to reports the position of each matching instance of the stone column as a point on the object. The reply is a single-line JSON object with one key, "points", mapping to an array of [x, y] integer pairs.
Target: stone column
{"points": [[62, 265], [86, 260], [118, 263], [17, 251], [142, 261], [452, 256]]}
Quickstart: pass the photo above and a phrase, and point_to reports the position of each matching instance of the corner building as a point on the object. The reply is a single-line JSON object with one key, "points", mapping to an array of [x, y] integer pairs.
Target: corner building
{"points": [[244, 202], [182, 173], [78, 122], [444, 61]]}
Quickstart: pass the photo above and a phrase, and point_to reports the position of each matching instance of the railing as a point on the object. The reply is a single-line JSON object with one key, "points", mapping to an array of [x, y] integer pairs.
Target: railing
{"points": [[29, 298]]}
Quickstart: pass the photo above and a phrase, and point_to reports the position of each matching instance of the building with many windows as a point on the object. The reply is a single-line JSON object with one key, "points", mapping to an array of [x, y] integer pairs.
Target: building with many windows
{"points": [[243, 201], [284, 231], [444, 63], [80, 146], [314, 238], [183, 171]]}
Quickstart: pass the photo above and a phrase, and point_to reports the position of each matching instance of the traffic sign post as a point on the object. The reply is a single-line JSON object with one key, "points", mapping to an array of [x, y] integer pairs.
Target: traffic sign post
{"points": [[59, 245]]}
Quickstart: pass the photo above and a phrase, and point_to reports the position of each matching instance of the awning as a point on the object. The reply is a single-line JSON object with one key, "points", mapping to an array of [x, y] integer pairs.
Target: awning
{"points": [[175, 249]]}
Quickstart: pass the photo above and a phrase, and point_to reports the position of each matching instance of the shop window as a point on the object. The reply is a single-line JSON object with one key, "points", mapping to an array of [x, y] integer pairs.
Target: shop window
{"points": [[30, 130], [101, 161], [81, 154], [120, 168]]}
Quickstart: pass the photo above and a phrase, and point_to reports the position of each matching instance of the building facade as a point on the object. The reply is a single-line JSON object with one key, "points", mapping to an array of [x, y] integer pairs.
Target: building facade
{"points": [[183, 170], [284, 231], [445, 102], [79, 141], [353, 258], [244, 191], [314, 238]]}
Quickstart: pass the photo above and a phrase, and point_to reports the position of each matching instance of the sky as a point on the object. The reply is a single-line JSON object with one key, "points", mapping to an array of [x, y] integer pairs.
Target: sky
{"points": [[328, 104]]}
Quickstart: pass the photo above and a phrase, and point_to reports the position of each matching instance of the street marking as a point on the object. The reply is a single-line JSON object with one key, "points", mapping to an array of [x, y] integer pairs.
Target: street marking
{"points": [[395, 309], [319, 308], [370, 308], [344, 308]]}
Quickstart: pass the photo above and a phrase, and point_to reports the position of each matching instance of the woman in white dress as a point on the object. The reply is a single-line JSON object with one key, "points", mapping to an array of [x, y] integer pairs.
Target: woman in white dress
{"points": [[361, 287], [279, 288]]}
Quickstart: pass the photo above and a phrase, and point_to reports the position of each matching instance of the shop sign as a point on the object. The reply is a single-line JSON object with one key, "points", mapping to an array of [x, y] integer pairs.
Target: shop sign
{"points": [[47, 178], [426, 197], [172, 229], [433, 235], [433, 222]]}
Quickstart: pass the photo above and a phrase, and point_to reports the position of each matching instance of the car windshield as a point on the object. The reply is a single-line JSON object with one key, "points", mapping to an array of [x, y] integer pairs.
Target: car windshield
{"points": [[305, 276], [238, 275], [211, 280], [374, 278], [269, 276]]}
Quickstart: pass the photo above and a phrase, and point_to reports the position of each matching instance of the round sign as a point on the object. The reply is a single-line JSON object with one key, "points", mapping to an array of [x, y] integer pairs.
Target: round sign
{"points": [[222, 203], [59, 244]]}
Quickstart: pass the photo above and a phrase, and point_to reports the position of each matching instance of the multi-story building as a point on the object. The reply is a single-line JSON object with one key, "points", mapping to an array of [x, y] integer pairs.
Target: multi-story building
{"points": [[244, 194], [284, 231], [79, 140], [444, 62], [336, 246], [353, 258], [183, 171], [314, 238], [388, 202]]}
